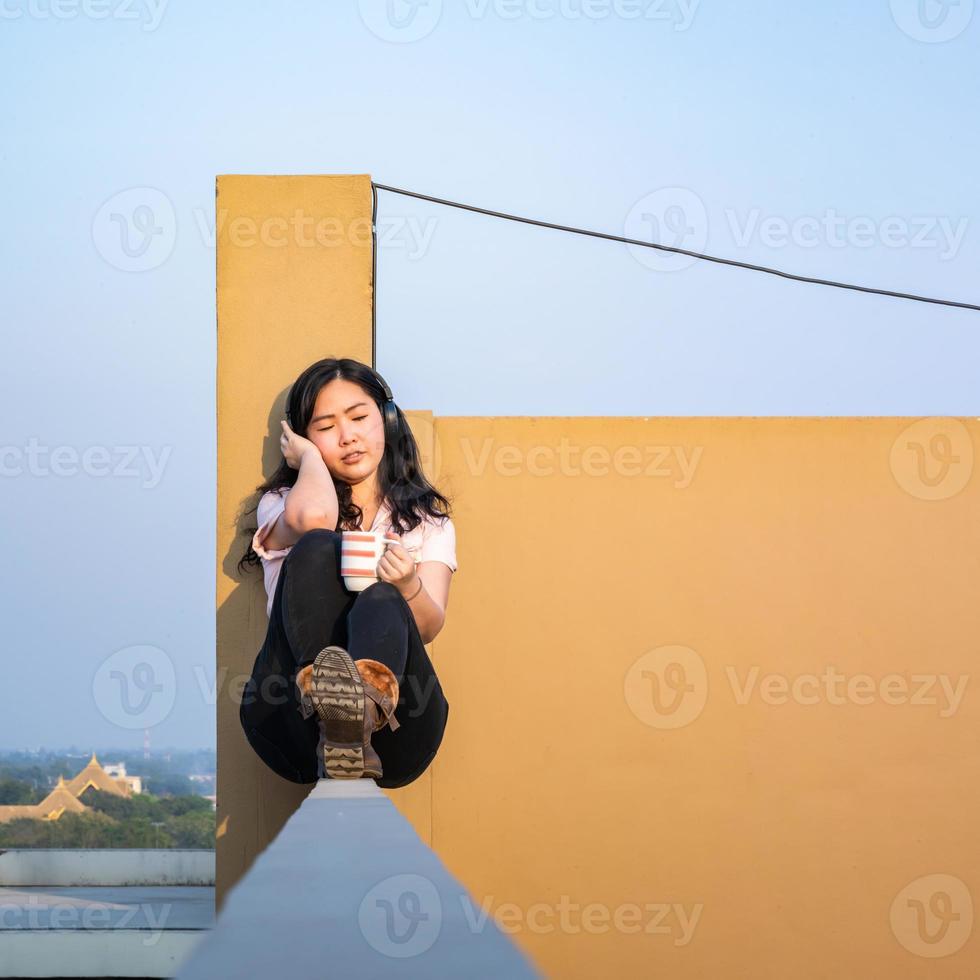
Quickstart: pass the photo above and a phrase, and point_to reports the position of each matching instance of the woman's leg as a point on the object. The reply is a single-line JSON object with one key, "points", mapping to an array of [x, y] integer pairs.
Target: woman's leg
{"points": [[308, 613], [378, 627], [381, 626], [314, 599], [354, 689]]}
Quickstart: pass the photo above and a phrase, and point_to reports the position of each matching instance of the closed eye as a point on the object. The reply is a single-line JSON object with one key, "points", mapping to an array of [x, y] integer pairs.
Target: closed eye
{"points": [[327, 428]]}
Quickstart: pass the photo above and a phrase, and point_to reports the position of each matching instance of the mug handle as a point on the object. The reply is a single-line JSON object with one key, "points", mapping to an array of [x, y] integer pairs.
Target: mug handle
{"points": [[409, 550]]}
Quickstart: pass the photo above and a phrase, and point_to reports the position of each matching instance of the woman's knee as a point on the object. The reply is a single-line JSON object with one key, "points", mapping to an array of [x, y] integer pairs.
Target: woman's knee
{"points": [[314, 545], [381, 595], [380, 591], [315, 539]]}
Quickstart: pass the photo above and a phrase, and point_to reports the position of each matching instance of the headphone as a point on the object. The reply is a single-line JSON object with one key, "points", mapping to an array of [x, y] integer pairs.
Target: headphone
{"points": [[389, 413]]}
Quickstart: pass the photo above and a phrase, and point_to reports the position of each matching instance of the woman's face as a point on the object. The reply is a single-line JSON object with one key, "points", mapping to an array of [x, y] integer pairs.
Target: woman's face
{"points": [[346, 420]]}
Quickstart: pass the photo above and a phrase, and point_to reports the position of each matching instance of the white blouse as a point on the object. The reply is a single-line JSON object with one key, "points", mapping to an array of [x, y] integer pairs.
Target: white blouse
{"points": [[433, 540]]}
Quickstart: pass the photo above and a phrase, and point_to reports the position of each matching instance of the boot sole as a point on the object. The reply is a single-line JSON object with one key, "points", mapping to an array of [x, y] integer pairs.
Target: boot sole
{"points": [[338, 695]]}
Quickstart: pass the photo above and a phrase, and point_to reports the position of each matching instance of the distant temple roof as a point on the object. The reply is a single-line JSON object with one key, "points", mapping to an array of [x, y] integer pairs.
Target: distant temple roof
{"points": [[65, 796], [59, 800], [18, 812], [94, 775]]}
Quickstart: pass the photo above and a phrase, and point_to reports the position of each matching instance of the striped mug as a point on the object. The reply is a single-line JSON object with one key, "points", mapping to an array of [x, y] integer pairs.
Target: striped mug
{"points": [[360, 552]]}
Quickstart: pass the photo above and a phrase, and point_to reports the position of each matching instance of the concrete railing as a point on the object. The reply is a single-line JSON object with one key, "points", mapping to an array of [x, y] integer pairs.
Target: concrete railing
{"points": [[106, 866], [348, 889]]}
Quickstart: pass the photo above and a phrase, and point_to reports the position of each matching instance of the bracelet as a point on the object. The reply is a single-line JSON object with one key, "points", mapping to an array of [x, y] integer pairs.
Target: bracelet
{"points": [[416, 592]]}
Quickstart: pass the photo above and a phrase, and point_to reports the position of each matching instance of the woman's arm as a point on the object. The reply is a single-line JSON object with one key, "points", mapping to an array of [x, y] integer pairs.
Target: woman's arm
{"points": [[312, 501], [429, 606], [310, 509]]}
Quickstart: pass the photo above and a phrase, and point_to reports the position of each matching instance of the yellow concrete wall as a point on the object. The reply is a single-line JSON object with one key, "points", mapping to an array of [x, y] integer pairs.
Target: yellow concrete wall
{"points": [[609, 788], [620, 582], [293, 285]]}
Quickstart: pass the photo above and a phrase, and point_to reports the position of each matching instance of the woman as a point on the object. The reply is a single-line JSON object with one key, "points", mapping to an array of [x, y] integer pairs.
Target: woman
{"points": [[343, 686]]}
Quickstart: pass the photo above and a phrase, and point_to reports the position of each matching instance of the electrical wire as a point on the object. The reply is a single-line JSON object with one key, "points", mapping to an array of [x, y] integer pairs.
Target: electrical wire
{"points": [[666, 248]]}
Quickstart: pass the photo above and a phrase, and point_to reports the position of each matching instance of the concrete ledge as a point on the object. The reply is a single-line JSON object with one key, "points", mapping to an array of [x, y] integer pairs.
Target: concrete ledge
{"points": [[348, 889], [140, 907], [95, 953], [106, 866]]}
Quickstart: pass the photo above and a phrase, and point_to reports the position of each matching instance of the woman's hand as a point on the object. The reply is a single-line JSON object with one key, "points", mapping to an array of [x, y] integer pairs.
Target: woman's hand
{"points": [[294, 445], [398, 567]]}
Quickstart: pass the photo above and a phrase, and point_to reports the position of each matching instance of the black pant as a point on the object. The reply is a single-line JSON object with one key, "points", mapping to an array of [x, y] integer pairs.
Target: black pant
{"points": [[312, 609]]}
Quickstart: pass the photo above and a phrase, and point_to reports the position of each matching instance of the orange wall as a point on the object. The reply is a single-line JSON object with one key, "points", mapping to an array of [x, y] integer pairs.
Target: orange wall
{"points": [[609, 786], [628, 656]]}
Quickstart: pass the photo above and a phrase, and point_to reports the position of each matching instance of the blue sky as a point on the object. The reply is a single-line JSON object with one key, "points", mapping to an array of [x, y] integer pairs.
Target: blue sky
{"points": [[836, 139]]}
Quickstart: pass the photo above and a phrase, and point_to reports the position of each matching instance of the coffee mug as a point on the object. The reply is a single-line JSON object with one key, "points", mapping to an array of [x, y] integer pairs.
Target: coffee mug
{"points": [[360, 552]]}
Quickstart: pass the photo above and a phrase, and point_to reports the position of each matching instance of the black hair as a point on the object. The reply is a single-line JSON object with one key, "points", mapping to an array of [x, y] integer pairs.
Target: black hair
{"points": [[402, 485]]}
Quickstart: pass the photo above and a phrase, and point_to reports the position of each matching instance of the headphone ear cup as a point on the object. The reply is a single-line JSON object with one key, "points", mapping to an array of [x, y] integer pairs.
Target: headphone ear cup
{"points": [[391, 419]]}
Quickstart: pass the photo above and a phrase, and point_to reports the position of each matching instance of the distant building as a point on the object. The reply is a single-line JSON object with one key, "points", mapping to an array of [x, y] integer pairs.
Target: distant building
{"points": [[118, 772], [65, 796]]}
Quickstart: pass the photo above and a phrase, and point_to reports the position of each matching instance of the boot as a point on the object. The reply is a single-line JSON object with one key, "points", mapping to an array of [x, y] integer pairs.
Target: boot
{"points": [[304, 681], [351, 701], [381, 687]]}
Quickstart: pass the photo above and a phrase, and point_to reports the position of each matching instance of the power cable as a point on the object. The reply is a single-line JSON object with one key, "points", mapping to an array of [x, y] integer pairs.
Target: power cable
{"points": [[666, 248]]}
